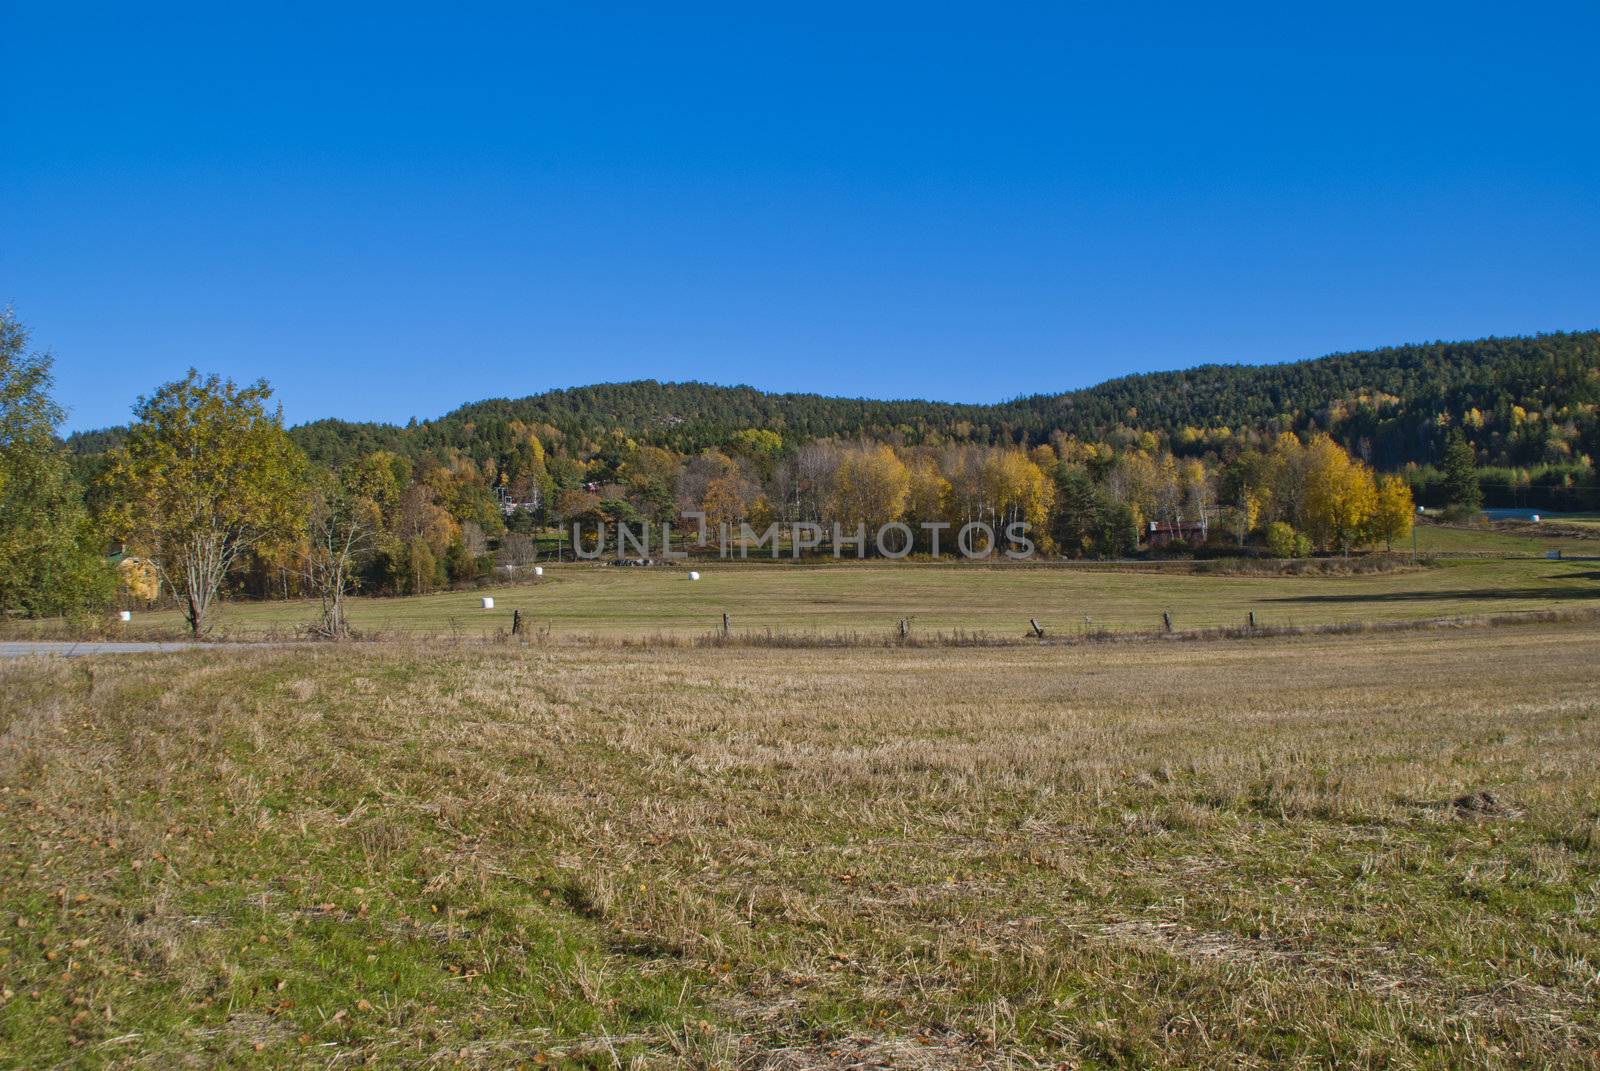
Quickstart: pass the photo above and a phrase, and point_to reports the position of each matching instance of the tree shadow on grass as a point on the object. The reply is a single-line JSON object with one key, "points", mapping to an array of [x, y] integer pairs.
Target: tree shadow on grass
{"points": [[1549, 594]]}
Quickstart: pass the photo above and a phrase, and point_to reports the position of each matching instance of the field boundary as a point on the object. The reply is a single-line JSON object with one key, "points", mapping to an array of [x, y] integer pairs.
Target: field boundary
{"points": [[774, 638], [858, 639]]}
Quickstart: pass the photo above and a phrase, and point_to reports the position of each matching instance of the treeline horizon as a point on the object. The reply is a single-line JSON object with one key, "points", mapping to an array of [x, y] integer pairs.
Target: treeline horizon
{"points": [[1389, 405], [1527, 405], [1320, 455]]}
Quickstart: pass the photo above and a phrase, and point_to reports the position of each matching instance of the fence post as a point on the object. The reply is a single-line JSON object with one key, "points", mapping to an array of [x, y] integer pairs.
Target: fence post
{"points": [[1252, 620], [724, 624], [516, 622], [1166, 621], [1038, 630], [905, 629]]}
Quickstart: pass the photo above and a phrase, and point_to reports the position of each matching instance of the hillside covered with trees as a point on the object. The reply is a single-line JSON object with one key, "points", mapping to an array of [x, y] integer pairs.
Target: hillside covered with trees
{"points": [[1390, 405], [1526, 406]]}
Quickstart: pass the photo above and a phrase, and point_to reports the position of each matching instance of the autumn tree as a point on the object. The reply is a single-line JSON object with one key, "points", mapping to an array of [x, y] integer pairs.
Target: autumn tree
{"points": [[714, 484], [205, 475], [459, 490], [139, 579], [961, 464], [809, 483], [651, 473], [870, 488], [1340, 495], [379, 477], [1197, 489], [522, 469], [1288, 468], [1396, 511], [51, 558], [1018, 490], [1135, 479], [725, 502], [927, 497]]}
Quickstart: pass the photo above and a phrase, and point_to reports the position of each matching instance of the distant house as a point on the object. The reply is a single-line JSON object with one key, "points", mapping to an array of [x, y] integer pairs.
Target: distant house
{"points": [[138, 577], [1163, 533], [135, 576], [510, 504]]}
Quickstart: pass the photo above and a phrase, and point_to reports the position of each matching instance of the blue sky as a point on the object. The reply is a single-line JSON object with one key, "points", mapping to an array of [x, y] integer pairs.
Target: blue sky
{"points": [[389, 211]]}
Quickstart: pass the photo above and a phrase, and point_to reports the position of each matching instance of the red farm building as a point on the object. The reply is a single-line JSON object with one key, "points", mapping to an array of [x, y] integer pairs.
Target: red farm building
{"points": [[1162, 533]]}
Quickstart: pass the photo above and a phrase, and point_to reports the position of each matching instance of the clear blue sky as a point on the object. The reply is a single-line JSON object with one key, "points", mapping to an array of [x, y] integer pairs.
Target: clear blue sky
{"points": [[391, 211]]}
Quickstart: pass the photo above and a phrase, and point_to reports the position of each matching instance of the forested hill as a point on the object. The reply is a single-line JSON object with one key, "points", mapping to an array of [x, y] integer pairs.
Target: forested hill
{"points": [[1392, 398], [1388, 402]]}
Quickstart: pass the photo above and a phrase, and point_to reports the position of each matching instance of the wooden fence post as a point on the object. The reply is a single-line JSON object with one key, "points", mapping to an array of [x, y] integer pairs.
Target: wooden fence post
{"points": [[1166, 621], [724, 624], [1038, 630], [1252, 620], [516, 622], [905, 629]]}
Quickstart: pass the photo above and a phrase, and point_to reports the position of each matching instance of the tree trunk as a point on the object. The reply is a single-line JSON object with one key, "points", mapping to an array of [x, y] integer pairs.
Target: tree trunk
{"points": [[338, 627], [206, 563]]}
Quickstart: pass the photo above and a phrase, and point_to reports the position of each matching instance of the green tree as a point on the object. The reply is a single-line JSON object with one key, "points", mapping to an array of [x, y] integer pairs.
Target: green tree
{"points": [[761, 445], [459, 564], [1088, 520], [421, 567], [1460, 466], [1245, 485], [379, 476], [205, 475], [51, 558], [1282, 541]]}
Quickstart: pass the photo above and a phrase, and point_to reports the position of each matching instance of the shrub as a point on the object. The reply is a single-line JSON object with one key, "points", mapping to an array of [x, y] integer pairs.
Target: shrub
{"points": [[1282, 540]]}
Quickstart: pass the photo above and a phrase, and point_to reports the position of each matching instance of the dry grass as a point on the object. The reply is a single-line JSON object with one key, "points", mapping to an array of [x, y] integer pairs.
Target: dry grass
{"points": [[1364, 850]]}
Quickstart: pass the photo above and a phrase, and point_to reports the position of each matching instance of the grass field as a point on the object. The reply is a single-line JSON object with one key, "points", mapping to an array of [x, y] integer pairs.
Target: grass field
{"points": [[1364, 851], [588, 599], [1506, 538]]}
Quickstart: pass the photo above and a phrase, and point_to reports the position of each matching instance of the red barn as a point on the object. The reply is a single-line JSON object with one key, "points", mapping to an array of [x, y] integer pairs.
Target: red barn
{"points": [[1162, 533]]}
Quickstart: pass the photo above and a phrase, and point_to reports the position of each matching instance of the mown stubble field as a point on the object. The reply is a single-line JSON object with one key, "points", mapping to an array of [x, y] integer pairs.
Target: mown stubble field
{"points": [[1377, 851]]}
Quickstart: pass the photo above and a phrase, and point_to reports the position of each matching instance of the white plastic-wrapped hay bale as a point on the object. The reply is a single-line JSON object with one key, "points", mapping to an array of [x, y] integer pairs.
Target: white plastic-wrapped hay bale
{"points": [[125, 616], [538, 570], [1535, 518], [488, 603], [693, 575]]}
